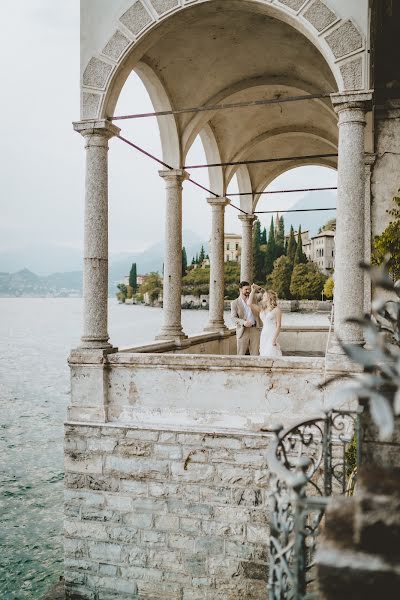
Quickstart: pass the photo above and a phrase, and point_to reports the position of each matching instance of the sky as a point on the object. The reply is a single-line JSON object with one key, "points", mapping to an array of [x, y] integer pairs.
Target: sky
{"points": [[42, 159]]}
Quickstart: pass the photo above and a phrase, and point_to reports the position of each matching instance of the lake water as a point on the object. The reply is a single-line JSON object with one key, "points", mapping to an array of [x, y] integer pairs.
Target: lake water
{"points": [[36, 335]]}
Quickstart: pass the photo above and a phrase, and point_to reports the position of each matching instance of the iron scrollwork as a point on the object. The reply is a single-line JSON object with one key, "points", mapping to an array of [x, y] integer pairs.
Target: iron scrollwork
{"points": [[308, 463]]}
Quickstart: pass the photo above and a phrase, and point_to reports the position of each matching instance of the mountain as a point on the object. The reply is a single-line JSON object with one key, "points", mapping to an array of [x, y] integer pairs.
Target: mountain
{"points": [[47, 260], [42, 259], [151, 259], [26, 283], [311, 221]]}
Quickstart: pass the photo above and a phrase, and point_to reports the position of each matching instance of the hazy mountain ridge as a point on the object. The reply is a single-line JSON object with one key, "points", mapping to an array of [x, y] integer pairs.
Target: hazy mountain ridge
{"points": [[25, 282], [311, 221], [50, 259]]}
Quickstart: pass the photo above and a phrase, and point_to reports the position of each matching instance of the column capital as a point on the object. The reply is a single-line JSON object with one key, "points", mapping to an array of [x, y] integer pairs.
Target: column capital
{"points": [[352, 101], [102, 127], [221, 202], [247, 219], [174, 175]]}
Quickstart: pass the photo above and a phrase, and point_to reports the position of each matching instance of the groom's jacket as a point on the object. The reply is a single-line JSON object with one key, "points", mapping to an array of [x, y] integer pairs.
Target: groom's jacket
{"points": [[239, 317]]}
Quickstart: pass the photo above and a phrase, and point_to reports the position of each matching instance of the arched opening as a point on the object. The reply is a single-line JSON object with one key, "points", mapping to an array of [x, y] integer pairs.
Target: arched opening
{"points": [[192, 59]]}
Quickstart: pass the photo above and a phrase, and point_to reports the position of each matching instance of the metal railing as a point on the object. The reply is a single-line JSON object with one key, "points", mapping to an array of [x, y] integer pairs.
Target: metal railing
{"points": [[308, 463]]}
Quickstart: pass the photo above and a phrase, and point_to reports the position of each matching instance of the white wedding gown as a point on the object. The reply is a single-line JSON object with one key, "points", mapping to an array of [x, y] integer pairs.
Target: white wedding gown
{"points": [[268, 317]]}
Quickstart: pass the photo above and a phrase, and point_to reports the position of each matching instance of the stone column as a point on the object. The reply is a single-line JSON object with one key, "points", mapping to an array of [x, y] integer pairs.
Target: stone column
{"points": [[95, 262], [172, 288], [349, 243], [216, 301], [246, 259], [369, 162]]}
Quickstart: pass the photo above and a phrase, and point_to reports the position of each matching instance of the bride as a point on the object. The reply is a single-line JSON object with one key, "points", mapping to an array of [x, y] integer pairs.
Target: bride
{"points": [[271, 316]]}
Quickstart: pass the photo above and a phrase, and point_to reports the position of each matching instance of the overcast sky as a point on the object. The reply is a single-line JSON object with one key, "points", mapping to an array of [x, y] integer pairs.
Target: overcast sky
{"points": [[42, 159]]}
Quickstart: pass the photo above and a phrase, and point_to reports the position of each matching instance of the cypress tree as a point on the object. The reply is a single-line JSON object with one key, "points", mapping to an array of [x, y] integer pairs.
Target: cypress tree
{"points": [[257, 254], [202, 255], [270, 254], [299, 257], [263, 239], [184, 262], [280, 237], [133, 278], [292, 246]]}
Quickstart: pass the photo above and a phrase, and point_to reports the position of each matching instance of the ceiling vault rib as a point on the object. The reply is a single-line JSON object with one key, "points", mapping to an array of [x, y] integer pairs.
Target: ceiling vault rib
{"points": [[261, 160], [224, 106], [196, 183], [317, 189]]}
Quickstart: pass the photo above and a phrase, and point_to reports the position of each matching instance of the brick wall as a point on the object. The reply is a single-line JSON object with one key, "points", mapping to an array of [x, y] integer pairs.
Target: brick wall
{"points": [[165, 514]]}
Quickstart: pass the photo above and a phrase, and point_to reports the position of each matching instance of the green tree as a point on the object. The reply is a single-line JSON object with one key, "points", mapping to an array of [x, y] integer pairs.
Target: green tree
{"points": [[388, 243], [307, 282], [133, 278], [184, 261], [281, 276], [202, 255], [328, 288], [270, 253], [292, 246], [153, 285], [280, 237], [329, 226], [263, 236], [258, 257], [123, 292], [299, 257]]}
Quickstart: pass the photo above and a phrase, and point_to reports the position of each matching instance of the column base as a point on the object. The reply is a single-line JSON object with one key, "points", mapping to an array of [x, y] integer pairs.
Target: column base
{"points": [[337, 360], [90, 343], [172, 334], [218, 327]]}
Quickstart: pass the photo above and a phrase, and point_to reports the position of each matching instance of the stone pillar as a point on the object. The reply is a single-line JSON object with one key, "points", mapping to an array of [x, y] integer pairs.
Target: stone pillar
{"points": [[95, 265], [369, 162], [172, 289], [216, 301], [349, 243], [246, 259]]}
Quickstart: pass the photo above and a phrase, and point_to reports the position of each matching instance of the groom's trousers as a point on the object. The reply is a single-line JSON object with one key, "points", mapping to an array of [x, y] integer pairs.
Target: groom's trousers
{"points": [[249, 342]]}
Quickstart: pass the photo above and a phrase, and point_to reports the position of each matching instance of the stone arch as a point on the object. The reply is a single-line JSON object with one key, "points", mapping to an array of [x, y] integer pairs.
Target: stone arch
{"points": [[213, 155], [170, 141], [339, 41], [199, 119], [245, 186], [246, 150]]}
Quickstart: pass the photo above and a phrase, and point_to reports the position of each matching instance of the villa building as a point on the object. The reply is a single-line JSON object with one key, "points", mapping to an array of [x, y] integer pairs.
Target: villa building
{"points": [[320, 249], [232, 247]]}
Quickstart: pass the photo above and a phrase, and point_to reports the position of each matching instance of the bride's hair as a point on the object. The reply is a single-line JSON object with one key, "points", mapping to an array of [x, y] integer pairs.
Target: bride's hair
{"points": [[269, 300]]}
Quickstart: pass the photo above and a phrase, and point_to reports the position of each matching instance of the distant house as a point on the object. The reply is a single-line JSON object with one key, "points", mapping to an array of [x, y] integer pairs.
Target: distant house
{"points": [[319, 249], [322, 251], [139, 279], [232, 247]]}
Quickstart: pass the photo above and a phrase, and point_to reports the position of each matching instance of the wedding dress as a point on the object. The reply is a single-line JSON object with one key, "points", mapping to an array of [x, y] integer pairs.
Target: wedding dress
{"points": [[268, 317]]}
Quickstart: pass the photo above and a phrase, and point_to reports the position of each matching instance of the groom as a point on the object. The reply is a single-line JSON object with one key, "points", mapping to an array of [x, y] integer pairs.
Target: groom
{"points": [[248, 325]]}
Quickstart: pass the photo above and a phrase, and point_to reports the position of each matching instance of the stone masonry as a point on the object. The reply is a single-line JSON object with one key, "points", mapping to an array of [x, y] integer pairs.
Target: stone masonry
{"points": [[162, 514]]}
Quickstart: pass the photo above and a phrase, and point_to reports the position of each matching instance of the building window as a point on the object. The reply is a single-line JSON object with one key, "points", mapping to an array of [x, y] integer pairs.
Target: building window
{"points": [[237, 246], [227, 257], [322, 251], [227, 246]]}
